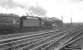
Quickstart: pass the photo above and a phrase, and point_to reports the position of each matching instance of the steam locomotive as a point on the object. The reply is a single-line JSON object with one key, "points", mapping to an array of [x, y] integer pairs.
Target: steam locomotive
{"points": [[12, 23]]}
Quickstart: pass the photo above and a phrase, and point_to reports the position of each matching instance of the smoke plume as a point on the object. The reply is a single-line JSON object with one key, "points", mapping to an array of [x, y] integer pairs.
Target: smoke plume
{"points": [[9, 4]]}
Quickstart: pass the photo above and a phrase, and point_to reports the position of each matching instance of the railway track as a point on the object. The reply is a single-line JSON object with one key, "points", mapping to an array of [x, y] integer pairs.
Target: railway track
{"points": [[43, 41], [75, 43], [60, 42], [13, 41], [21, 35], [31, 40]]}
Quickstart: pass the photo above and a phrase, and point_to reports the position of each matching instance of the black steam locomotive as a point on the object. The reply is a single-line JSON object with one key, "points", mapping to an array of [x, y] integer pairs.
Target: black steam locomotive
{"points": [[12, 23]]}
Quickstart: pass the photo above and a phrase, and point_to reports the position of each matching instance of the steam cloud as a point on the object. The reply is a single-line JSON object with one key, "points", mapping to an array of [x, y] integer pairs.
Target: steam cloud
{"points": [[14, 6], [9, 4], [76, 1]]}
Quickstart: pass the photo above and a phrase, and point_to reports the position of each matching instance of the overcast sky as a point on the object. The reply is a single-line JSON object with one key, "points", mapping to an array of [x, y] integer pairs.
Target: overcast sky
{"points": [[54, 8]]}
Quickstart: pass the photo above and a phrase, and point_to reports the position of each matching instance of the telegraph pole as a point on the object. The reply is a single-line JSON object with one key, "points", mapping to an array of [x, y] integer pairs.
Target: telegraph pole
{"points": [[71, 20], [62, 20]]}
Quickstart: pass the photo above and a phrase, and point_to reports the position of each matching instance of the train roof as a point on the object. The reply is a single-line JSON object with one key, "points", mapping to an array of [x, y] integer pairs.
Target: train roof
{"points": [[51, 19], [9, 15]]}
